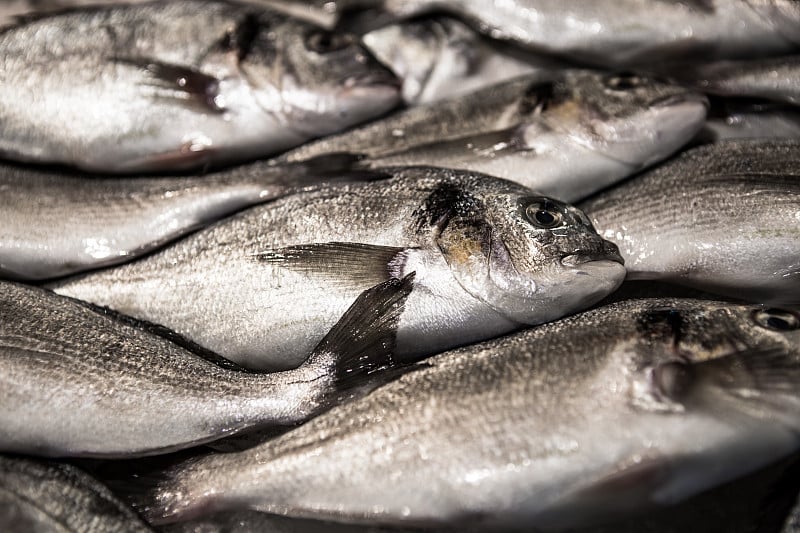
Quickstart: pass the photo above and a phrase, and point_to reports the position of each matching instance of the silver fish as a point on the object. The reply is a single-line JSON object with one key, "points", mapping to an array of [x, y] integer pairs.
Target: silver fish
{"points": [[39, 496], [776, 78], [53, 224], [621, 409], [182, 84], [722, 218], [565, 136], [440, 58], [76, 382], [731, 119], [261, 288], [612, 32], [792, 524]]}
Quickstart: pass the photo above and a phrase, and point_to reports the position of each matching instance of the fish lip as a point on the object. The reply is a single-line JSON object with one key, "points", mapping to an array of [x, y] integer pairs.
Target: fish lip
{"points": [[580, 258], [376, 79], [681, 98]]}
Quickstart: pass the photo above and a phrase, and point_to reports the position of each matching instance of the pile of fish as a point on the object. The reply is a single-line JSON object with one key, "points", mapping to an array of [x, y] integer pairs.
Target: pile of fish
{"points": [[399, 265]]}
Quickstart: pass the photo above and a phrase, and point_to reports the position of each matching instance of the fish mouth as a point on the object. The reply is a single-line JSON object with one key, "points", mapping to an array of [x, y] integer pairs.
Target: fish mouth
{"points": [[381, 78], [574, 260], [681, 98]]}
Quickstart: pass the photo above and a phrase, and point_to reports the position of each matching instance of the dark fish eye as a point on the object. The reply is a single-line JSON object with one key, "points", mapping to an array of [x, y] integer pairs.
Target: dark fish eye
{"points": [[776, 319], [544, 214], [324, 42], [623, 81], [672, 379]]}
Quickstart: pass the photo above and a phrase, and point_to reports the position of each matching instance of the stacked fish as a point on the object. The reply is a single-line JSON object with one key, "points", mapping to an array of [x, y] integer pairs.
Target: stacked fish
{"points": [[356, 264]]}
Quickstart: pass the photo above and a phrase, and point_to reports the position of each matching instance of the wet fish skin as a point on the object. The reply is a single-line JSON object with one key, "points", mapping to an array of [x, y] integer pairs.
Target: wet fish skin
{"points": [[145, 93], [721, 217], [274, 275], [38, 496], [591, 127], [80, 383], [54, 224], [734, 119], [440, 57], [514, 432]]}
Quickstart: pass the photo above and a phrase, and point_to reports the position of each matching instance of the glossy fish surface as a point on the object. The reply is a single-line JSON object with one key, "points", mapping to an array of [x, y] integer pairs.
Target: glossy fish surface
{"points": [[262, 287], [514, 433]]}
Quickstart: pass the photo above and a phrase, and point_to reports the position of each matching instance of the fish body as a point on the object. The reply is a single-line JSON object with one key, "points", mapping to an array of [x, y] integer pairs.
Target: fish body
{"points": [[625, 408], [722, 218], [776, 78], [178, 85], [441, 57], [565, 135], [732, 119], [54, 224], [75, 382], [39, 496], [262, 287]]}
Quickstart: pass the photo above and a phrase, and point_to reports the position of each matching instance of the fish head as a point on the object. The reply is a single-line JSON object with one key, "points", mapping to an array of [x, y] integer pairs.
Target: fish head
{"points": [[628, 118], [320, 81], [528, 257]]}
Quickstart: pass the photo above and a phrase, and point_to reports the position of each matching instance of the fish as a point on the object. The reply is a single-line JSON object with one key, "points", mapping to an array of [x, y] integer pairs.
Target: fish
{"points": [[441, 57], [184, 85], [722, 218], [792, 524], [749, 119], [81, 383], [622, 409], [609, 33], [55, 223], [262, 287], [771, 78], [39, 496], [565, 136]]}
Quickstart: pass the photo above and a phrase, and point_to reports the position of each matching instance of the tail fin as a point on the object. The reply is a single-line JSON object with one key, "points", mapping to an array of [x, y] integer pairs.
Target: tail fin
{"points": [[362, 343]]}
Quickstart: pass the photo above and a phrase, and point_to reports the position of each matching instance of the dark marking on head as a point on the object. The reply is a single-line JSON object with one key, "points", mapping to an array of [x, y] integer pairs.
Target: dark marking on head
{"points": [[537, 98], [666, 324], [242, 37], [443, 203]]}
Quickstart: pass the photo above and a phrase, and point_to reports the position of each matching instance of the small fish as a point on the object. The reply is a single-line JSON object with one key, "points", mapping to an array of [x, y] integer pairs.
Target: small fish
{"points": [[262, 287], [178, 85], [440, 57], [746, 119], [565, 135], [54, 224], [615, 33], [623, 409], [76, 382], [723, 218], [42, 496], [776, 78]]}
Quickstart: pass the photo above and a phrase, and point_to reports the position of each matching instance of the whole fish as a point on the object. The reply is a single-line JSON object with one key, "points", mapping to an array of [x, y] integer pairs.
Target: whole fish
{"points": [[722, 218], [610, 32], [53, 223], [183, 84], [744, 119], [261, 288], [76, 382], [565, 136], [441, 57], [39, 496], [776, 78], [621, 409]]}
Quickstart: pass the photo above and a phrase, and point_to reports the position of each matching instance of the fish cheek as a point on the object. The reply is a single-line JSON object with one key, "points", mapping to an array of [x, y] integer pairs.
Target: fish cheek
{"points": [[466, 247]]}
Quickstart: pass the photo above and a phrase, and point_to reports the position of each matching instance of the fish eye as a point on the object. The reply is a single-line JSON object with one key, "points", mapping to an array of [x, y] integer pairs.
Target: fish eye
{"points": [[544, 214], [324, 42], [776, 319], [672, 379], [623, 81]]}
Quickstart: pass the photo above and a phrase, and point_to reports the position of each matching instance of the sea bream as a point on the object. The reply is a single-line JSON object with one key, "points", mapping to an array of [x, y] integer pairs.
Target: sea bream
{"points": [[565, 134], [441, 57], [724, 218], [78, 382], [607, 32], [262, 287], [44, 496], [619, 410], [749, 119], [178, 85], [54, 223]]}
